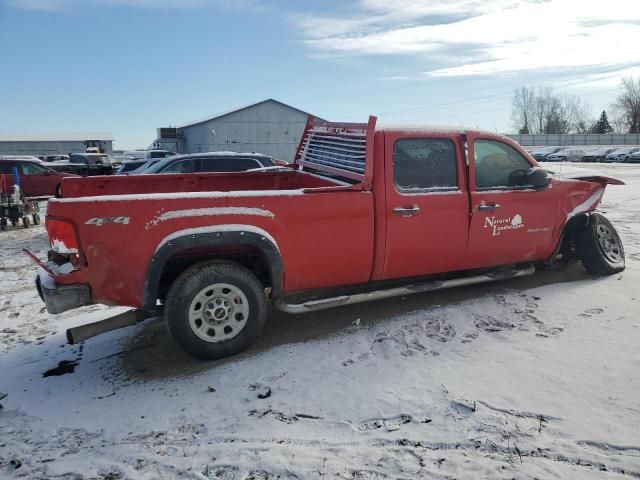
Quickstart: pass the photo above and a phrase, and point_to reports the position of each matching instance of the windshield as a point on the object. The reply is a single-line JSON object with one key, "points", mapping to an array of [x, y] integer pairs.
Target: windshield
{"points": [[159, 165], [130, 166], [143, 167]]}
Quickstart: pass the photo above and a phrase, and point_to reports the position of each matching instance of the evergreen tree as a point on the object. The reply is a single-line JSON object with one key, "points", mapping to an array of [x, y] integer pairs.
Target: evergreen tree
{"points": [[603, 125]]}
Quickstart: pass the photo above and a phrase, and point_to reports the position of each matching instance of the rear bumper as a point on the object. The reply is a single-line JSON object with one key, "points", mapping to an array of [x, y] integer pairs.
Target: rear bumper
{"points": [[60, 298]]}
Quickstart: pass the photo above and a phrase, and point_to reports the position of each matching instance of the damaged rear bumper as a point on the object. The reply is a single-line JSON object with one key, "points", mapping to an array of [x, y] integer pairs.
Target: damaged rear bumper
{"points": [[60, 298]]}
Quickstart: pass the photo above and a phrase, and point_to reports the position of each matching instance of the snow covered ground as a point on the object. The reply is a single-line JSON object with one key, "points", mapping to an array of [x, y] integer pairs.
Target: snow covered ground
{"points": [[533, 378]]}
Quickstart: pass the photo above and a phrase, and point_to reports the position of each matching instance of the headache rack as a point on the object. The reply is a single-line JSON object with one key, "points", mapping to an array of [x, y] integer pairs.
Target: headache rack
{"points": [[343, 150]]}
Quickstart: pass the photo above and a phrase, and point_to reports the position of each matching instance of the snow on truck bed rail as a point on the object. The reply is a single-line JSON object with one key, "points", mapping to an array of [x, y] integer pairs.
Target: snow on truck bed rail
{"points": [[208, 212], [181, 195]]}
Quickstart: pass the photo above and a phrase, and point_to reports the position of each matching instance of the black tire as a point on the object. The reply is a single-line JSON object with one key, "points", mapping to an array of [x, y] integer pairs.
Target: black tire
{"points": [[600, 248], [36, 219], [189, 287], [25, 222]]}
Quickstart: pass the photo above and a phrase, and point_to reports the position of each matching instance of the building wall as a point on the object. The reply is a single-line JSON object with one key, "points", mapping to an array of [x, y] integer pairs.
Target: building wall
{"points": [[577, 139], [269, 128], [46, 148]]}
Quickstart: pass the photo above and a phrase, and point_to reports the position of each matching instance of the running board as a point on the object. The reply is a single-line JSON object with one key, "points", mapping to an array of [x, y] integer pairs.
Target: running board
{"points": [[325, 303]]}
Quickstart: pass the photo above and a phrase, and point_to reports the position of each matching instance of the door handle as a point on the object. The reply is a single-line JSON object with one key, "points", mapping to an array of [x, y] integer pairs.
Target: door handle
{"points": [[406, 211], [488, 207]]}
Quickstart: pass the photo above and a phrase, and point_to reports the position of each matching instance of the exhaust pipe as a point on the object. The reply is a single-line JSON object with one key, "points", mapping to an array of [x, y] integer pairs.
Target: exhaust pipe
{"points": [[84, 332], [325, 303]]}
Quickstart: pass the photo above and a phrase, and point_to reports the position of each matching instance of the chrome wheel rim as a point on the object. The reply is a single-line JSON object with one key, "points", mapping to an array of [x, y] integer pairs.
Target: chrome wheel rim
{"points": [[609, 244], [218, 312]]}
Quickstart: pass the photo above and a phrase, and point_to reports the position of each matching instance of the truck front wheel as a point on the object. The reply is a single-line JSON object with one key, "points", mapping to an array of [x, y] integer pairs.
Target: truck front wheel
{"points": [[600, 248], [215, 309]]}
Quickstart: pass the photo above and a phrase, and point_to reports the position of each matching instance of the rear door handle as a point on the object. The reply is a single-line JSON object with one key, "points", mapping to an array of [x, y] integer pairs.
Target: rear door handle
{"points": [[406, 211], [488, 207]]}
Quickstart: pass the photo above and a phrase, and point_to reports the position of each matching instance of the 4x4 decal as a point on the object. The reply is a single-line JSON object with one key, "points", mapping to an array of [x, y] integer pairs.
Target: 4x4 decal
{"points": [[99, 221]]}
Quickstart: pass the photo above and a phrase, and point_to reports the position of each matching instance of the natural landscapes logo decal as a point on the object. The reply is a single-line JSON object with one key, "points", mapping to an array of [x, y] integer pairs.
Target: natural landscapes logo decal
{"points": [[499, 225]]}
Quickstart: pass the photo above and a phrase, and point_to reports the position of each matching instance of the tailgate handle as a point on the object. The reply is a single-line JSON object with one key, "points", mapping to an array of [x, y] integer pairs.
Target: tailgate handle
{"points": [[488, 207], [406, 211]]}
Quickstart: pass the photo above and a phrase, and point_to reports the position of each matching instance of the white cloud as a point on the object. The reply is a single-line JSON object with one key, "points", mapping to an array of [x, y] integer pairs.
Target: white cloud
{"points": [[500, 35]]}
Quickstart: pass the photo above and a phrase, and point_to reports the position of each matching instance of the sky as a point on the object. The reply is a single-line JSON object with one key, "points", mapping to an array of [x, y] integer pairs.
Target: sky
{"points": [[130, 66]]}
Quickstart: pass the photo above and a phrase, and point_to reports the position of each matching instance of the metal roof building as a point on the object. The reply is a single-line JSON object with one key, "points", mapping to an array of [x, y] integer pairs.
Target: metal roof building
{"points": [[53, 143], [269, 126]]}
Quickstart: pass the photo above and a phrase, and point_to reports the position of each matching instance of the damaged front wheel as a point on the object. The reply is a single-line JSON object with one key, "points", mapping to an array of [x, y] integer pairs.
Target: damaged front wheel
{"points": [[600, 248]]}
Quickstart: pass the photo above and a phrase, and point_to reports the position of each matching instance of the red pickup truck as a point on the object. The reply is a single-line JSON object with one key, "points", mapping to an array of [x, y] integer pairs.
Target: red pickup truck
{"points": [[364, 213]]}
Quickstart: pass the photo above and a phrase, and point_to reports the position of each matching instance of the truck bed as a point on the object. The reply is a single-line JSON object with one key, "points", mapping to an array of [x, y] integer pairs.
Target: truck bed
{"points": [[313, 222], [182, 183]]}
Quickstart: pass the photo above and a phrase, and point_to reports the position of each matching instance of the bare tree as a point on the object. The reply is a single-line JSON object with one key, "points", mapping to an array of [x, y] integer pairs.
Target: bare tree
{"points": [[542, 111], [541, 106], [617, 121], [627, 105], [583, 119], [522, 108]]}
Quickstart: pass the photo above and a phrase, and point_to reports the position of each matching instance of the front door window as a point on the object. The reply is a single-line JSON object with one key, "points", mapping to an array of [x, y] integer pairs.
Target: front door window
{"points": [[498, 166]]}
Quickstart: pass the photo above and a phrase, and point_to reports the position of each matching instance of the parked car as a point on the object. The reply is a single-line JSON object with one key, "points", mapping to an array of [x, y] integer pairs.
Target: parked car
{"points": [[67, 167], [145, 166], [129, 166], [345, 225], [635, 157], [36, 180], [92, 163], [211, 162], [53, 158], [132, 155], [542, 153], [598, 155], [31, 158], [146, 154], [621, 154], [567, 154]]}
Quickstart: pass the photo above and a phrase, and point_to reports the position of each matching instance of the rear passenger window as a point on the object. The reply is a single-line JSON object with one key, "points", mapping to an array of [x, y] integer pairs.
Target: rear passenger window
{"points": [[425, 163]]}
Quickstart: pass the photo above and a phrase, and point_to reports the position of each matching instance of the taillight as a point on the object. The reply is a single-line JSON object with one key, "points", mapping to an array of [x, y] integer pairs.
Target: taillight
{"points": [[62, 236]]}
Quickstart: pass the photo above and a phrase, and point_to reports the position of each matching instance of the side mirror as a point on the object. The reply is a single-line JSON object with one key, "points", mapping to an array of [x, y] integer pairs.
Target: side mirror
{"points": [[538, 178]]}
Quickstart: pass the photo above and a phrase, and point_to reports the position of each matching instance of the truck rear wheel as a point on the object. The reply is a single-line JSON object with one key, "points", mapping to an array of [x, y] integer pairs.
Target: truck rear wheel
{"points": [[600, 248], [215, 309]]}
